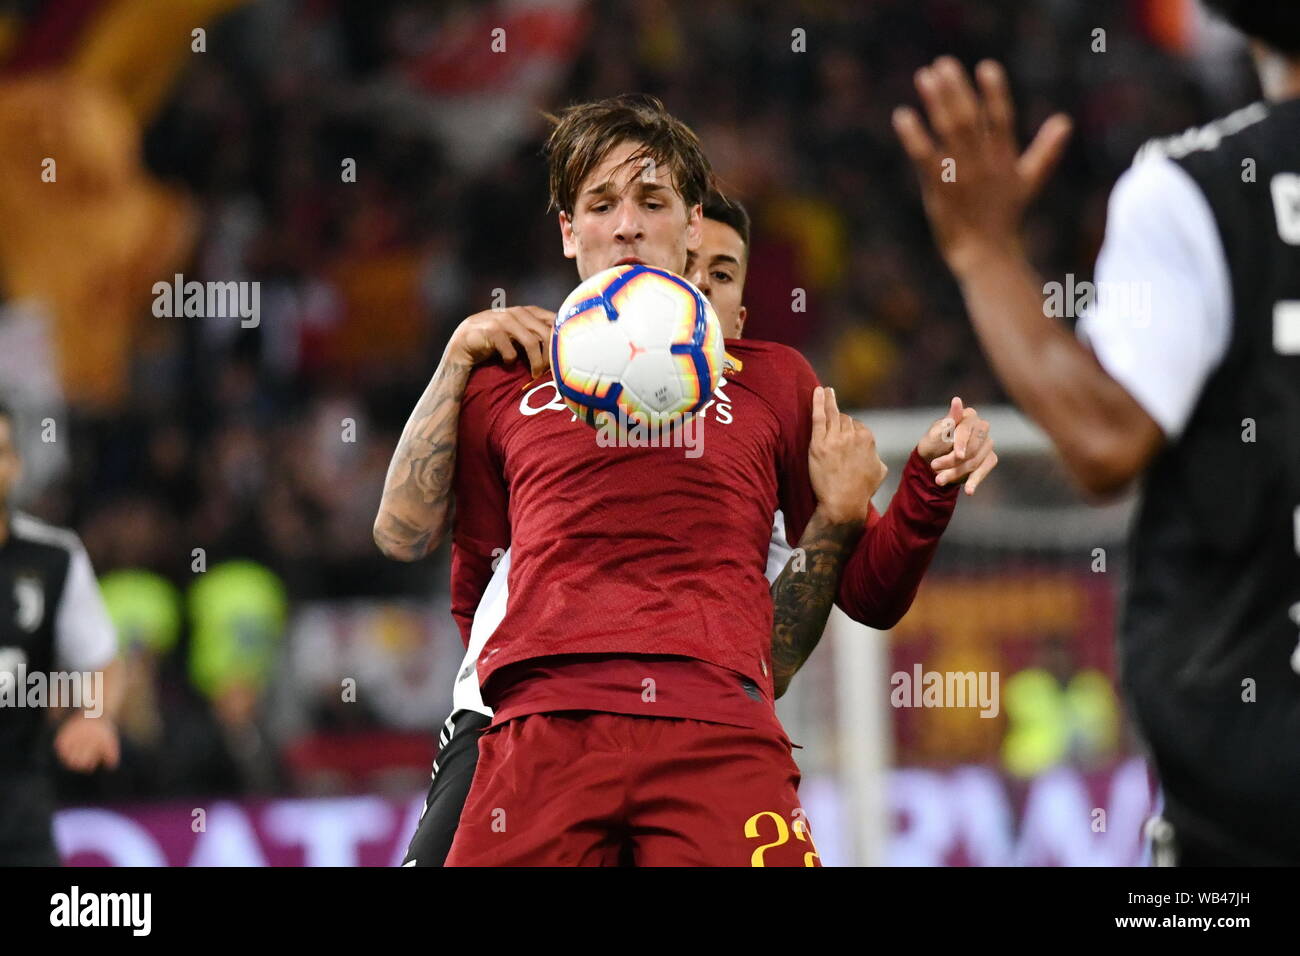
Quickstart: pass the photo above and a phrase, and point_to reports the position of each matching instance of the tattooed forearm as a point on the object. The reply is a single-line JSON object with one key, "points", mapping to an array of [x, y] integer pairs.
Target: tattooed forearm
{"points": [[802, 596], [414, 513]]}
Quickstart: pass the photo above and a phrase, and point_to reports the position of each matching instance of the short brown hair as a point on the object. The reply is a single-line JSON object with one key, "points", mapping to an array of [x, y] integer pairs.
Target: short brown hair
{"points": [[583, 134], [729, 212]]}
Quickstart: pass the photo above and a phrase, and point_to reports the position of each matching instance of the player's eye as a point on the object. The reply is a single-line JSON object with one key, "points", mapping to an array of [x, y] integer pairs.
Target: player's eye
{"points": [[652, 206], [722, 276]]}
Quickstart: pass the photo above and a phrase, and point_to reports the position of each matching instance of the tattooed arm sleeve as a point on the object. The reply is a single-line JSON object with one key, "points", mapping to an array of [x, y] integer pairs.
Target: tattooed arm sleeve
{"points": [[803, 594], [414, 513]]}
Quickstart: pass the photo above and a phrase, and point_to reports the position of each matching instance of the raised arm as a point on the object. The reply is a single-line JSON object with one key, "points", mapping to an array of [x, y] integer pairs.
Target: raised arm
{"points": [[1104, 435], [843, 475], [882, 575], [845, 471], [415, 511]]}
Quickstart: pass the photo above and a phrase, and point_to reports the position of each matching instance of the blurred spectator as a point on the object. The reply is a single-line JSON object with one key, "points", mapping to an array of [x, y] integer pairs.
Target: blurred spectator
{"points": [[1058, 712], [239, 611]]}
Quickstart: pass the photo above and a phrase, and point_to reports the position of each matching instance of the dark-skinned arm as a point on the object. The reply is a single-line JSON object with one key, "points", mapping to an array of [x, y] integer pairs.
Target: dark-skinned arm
{"points": [[1103, 435]]}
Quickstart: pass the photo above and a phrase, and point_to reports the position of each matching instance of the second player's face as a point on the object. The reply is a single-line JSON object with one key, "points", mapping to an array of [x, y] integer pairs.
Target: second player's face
{"points": [[717, 268], [627, 210]]}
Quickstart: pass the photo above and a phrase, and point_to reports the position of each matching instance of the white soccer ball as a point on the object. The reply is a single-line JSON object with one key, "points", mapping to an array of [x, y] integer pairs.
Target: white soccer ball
{"points": [[636, 343]]}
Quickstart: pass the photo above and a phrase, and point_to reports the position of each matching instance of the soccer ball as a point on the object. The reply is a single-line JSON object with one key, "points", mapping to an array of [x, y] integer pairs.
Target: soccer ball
{"points": [[636, 344]]}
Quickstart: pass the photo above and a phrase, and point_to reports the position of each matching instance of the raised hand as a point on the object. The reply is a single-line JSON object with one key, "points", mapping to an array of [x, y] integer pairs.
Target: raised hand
{"points": [[974, 181], [843, 463], [958, 446]]}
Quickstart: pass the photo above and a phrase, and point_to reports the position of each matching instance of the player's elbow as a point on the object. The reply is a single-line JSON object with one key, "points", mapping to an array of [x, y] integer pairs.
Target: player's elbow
{"points": [[1114, 451], [394, 550], [1103, 486], [878, 617], [1107, 471], [886, 620], [399, 546]]}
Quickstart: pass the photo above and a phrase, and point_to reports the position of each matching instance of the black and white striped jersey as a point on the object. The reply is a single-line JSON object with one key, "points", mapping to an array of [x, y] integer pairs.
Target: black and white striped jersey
{"points": [[1204, 233], [52, 618]]}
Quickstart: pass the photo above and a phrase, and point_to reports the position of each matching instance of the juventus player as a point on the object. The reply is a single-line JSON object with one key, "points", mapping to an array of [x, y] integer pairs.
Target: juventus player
{"points": [[1200, 398], [631, 690], [51, 615], [717, 269]]}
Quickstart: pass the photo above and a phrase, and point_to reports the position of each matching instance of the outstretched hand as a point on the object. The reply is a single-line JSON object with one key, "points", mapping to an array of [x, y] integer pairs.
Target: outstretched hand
{"points": [[974, 181]]}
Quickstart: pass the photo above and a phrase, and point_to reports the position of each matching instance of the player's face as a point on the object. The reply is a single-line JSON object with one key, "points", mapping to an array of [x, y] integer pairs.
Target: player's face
{"points": [[10, 466], [717, 268], [628, 209]]}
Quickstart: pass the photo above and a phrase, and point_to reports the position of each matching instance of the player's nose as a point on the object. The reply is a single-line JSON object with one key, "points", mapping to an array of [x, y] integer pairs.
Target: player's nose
{"points": [[629, 227]]}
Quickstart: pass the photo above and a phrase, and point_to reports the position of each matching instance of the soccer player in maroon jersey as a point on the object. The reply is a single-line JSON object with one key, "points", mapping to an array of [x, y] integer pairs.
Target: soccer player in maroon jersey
{"points": [[630, 674], [803, 587]]}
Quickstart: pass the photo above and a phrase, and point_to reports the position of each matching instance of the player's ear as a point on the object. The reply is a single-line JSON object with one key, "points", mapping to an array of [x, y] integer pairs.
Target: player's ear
{"points": [[566, 236], [694, 227], [741, 314]]}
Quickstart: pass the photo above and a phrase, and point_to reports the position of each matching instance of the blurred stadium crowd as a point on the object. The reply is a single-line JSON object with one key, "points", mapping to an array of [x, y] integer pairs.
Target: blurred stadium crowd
{"points": [[266, 447]]}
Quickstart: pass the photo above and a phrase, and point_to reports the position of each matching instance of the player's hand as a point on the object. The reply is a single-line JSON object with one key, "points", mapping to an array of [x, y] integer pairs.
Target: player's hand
{"points": [[989, 182], [959, 446], [843, 463], [505, 332], [85, 743]]}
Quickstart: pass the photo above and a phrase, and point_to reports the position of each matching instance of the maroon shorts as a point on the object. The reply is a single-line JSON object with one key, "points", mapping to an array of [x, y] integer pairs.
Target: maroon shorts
{"points": [[587, 788]]}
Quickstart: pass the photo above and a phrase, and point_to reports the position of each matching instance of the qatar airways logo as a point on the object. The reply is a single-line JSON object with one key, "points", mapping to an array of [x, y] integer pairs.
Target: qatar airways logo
{"points": [[669, 431]]}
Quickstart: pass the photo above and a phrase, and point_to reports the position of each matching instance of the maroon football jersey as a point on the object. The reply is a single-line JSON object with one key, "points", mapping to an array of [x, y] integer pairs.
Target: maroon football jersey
{"points": [[649, 550]]}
